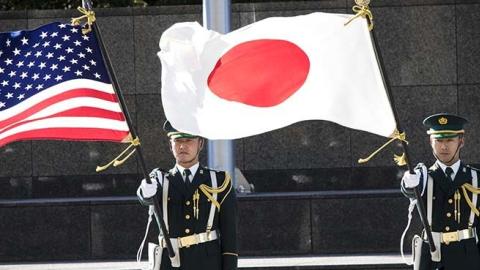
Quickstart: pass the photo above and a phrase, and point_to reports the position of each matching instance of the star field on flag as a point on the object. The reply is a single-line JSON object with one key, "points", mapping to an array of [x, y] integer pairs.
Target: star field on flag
{"points": [[54, 85]]}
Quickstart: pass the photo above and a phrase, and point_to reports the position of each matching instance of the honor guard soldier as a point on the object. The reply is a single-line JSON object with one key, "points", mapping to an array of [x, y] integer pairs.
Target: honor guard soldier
{"points": [[449, 189], [199, 208]]}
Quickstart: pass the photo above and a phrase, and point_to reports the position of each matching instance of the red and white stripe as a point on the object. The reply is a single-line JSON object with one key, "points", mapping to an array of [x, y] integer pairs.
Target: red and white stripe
{"points": [[78, 109]]}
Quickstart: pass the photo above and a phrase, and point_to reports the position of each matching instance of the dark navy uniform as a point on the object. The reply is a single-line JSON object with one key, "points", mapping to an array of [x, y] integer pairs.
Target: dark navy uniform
{"points": [[201, 212], [452, 204], [464, 254], [184, 220]]}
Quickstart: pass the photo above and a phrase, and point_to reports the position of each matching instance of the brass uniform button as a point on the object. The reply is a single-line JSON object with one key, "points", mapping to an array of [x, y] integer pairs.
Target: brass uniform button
{"points": [[187, 202], [187, 230], [450, 201], [449, 214], [187, 216], [447, 228]]}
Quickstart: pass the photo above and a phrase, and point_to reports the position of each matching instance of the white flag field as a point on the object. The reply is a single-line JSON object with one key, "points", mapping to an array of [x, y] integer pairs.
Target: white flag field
{"points": [[272, 73]]}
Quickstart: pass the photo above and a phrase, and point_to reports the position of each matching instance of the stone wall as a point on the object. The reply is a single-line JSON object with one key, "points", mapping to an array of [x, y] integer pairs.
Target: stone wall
{"points": [[431, 50], [431, 53], [277, 224]]}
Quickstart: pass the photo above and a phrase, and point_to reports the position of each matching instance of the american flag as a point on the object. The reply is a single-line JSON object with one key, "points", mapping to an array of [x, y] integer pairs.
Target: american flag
{"points": [[54, 85]]}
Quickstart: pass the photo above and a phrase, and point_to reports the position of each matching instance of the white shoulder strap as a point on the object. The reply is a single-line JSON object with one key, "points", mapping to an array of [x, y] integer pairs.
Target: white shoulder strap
{"points": [[429, 199], [213, 176], [474, 196], [165, 185]]}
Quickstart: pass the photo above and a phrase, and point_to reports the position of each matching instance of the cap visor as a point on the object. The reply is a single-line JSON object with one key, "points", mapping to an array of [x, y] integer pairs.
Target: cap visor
{"points": [[444, 135]]}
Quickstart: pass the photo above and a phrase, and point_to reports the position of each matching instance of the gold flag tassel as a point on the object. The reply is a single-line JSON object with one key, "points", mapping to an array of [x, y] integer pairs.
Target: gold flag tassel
{"points": [[399, 159], [90, 15], [117, 161], [362, 10]]}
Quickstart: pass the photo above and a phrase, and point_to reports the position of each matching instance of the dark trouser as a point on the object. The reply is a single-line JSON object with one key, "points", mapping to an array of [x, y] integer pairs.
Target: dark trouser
{"points": [[205, 256], [463, 255]]}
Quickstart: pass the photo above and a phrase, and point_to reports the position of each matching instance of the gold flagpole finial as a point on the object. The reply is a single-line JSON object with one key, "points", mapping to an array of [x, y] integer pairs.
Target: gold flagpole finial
{"points": [[89, 14], [362, 9], [117, 161], [396, 136]]}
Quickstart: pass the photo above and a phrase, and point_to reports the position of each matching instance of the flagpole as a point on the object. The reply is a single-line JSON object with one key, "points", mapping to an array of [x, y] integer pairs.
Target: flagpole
{"points": [[156, 206], [216, 16], [418, 196]]}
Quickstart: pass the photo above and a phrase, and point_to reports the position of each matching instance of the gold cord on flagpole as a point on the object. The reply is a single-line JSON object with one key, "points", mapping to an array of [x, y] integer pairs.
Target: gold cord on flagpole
{"points": [[362, 10], [117, 161], [396, 136], [89, 14]]}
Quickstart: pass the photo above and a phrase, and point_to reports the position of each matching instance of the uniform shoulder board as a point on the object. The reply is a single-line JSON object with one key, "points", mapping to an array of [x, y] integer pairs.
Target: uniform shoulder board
{"points": [[472, 168], [209, 169], [218, 172], [214, 170], [433, 167]]}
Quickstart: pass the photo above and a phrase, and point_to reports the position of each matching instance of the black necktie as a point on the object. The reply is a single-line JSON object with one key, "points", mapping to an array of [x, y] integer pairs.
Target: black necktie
{"points": [[449, 172], [187, 174]]}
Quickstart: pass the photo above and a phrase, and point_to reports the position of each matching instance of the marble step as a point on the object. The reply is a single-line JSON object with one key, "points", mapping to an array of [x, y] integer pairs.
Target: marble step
{"points": [[365, 262]]}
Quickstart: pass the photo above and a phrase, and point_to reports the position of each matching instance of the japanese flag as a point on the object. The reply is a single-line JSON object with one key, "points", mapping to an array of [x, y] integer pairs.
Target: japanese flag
{"points": [[273, 73]]}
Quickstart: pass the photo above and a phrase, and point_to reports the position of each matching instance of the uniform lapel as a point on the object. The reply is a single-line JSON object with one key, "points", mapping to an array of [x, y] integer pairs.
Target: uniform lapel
{"points": [[462, 176], [199, 178], [177, 181]]}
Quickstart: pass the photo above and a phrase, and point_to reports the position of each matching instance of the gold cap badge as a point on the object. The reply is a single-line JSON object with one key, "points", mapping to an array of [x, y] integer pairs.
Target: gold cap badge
{"points": [[442, 120], [362, 2]]}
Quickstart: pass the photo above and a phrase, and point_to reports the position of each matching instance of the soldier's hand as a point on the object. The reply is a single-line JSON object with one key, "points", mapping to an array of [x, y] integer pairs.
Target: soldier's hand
{"points": [[411, 180], [148, 190]]}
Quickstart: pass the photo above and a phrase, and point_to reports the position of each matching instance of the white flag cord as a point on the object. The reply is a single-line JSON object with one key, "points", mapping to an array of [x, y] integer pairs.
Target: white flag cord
{"points": [[413, 202], [140, 249]]}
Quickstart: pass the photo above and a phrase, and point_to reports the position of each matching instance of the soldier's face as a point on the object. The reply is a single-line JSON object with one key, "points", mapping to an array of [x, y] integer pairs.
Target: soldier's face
{"points": [[446, 149], [186, 150]]}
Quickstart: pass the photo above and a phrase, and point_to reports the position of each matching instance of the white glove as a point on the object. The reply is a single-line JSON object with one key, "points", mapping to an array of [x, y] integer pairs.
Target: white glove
{"points": [[411, 180], [148, 190]]}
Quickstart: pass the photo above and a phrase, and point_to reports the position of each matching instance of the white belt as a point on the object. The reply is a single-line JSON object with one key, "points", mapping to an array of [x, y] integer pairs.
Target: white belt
{"points": [[193, 239], [456, 236]]}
